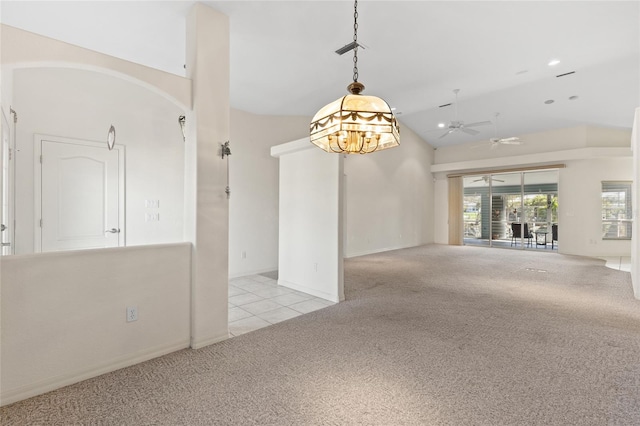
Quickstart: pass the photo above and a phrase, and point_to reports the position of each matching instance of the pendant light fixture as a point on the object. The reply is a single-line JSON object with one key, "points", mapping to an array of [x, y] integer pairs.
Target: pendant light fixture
{"points": [[355, 123]]}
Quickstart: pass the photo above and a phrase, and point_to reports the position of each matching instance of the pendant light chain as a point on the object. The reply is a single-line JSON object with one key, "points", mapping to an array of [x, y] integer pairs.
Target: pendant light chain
{"points": [[355, 124], [355, 40]]}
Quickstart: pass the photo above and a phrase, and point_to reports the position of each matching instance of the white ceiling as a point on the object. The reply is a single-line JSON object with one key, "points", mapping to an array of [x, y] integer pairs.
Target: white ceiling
{"points": [[417, 52]]}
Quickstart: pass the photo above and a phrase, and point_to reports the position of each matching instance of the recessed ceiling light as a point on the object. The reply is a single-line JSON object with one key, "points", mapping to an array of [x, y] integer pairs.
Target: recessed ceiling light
{"points": [[573, 98], [441, 125], [553, 63], [549, 101]]}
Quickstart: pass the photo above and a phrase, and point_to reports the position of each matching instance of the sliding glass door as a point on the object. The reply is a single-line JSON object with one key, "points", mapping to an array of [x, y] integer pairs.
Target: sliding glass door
{"points": [[513, 210]]}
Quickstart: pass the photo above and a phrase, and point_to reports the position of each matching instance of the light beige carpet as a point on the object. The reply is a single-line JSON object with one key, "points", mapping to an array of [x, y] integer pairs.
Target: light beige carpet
{"points": [[434, 335]]}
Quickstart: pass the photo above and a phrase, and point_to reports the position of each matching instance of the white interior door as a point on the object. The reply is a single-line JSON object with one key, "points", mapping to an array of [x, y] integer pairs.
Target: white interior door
{"points": [[81, 195]]}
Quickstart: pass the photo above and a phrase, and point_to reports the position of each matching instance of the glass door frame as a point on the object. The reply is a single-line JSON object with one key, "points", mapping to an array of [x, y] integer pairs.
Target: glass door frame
{"points": [[500, 217]]}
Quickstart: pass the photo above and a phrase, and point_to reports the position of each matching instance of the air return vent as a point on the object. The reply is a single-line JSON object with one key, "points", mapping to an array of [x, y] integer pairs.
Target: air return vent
{"points": [[565, 74], [348, 47]]}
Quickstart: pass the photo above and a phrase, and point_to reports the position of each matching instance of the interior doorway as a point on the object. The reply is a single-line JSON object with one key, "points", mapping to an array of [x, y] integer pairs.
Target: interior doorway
{"points": [[516, 210]]}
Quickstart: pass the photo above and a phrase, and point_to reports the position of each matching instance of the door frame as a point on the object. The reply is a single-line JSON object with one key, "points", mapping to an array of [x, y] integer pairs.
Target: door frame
{"points": [[37, 183], [9, 184]]}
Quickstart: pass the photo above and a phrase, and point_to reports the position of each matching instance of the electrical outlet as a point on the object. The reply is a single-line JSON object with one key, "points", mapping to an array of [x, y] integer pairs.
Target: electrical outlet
{"points": [[132, 313]]}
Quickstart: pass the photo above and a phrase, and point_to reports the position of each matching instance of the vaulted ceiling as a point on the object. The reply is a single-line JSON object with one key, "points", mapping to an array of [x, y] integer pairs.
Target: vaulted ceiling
{"points": [[416, 53]]}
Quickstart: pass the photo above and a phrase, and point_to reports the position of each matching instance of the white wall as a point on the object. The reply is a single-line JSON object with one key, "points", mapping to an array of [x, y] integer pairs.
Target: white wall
{"points": [[206, 204], [533, 143], [81, 104], [394, 184], [173, 287], [389, 197], [635, 247], [310, 234], [253, 176], [64, 313], [591, 155], [580, 206]]}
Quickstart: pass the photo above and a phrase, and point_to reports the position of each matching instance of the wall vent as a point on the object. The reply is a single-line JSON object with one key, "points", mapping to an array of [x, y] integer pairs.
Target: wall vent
{"points": [[565, 74]]}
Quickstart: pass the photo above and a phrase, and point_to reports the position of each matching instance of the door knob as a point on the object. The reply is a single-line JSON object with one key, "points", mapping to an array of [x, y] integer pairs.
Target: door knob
{"points": [[113, 231]]}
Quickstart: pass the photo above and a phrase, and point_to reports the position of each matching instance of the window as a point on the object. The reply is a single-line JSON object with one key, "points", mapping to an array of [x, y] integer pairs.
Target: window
{"points": [[616, 210]]}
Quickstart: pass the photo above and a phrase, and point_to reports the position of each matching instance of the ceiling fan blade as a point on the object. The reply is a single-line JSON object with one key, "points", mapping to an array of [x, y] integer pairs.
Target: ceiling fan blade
{"points": [[496, 180], [478, 123], [478, 180], [449, 131], [511, 141], [469, 131]]}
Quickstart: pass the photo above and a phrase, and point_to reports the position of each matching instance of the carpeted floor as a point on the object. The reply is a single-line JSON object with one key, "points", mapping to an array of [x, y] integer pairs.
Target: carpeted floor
{"points": [[433, 335]]}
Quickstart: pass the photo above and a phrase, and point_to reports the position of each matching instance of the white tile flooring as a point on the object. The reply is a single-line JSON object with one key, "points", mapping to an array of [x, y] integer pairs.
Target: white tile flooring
{"points": [[256, 301], [621, 263]]}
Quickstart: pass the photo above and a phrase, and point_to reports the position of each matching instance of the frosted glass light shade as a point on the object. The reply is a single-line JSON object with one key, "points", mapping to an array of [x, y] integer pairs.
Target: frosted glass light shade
{"points": [[355, 124]]}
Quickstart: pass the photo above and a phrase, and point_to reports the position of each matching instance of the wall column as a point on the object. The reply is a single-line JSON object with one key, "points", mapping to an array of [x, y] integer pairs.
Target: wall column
{"points": [[311, 237], [206, 204]]}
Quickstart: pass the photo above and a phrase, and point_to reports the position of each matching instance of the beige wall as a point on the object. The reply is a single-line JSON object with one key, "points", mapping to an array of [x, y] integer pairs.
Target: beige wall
{"points": [[635, 248], [253, 176], [311, 224], [22, 48], [206, 203], [181, 291], [389, 197], [535, 143], [64, 313], [392, 189], [80, 104], [580, 206], [591, 155]]}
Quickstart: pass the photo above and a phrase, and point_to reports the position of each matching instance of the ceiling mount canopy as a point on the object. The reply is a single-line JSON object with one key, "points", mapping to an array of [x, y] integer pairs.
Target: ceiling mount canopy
{"points": [[355, 123]]}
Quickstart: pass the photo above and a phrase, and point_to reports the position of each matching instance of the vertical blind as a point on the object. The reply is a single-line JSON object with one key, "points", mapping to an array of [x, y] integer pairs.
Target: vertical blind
{"points": [[456, 223]]}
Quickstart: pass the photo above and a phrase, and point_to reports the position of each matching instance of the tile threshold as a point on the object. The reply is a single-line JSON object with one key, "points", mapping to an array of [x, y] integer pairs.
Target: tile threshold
{"points": [[260, 302]]}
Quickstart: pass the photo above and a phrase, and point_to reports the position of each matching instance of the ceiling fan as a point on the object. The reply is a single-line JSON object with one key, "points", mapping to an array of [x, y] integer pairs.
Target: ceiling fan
{"points": [[487, 178], [495, 142], [459, 125]]}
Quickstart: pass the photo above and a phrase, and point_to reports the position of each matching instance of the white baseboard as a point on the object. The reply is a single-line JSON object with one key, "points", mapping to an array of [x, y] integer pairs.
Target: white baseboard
{"points": [[47, 385], [208, 341], [312, 291], [374, 251], [252, 272]]}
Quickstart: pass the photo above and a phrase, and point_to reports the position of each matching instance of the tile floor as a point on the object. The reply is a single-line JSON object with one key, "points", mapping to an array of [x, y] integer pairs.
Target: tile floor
{"points": [[620, 263], [256, 301]]}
